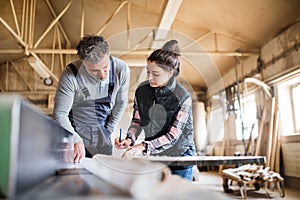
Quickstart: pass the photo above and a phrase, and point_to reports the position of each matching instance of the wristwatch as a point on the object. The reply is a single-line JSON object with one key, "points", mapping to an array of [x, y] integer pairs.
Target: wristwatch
{"points": [[146, 147], [132, 142]]}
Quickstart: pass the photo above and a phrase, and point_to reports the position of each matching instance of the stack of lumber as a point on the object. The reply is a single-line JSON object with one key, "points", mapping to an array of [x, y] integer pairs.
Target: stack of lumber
{"points": [[253, 175], [269, 135]]}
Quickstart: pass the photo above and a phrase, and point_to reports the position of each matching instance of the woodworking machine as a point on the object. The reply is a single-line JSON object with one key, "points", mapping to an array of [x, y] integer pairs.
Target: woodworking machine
{"points": [[36, 162], [36, 157]]}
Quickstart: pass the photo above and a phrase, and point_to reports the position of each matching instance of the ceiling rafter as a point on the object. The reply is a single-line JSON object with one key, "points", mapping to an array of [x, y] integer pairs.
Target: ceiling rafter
{"points": [[129, 52], [20, 40], [61, 28], [53, 23], [128, 23], [166, 22], [29, 7], [82, 19], [15, 16], [216, 34], [111, 17], [31, 23], [197, 40], [21, 76]]}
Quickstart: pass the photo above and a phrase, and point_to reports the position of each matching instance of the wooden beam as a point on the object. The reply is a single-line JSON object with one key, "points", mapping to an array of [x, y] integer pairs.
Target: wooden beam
{"points": [[21, 77], [261, 128], [82, 19], [63, 32], [25, 46], [15, 16], [167, 20], [132, 51], [52, 24], [111, 17], [270, 133]]}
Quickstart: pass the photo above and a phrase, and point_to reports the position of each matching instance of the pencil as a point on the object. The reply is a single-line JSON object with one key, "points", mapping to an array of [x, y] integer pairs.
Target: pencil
{"points": [[120, 138]]}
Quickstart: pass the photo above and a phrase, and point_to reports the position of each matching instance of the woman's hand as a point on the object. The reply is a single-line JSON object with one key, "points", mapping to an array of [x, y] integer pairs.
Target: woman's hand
{"points": [[135, 150], [123, 144]]}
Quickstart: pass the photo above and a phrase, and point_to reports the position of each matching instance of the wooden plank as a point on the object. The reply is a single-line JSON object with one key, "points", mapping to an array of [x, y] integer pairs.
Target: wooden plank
{"points": [[261, 128], [139, 178], [277, 158], [270, 134], [275, 141], [204, 160], [250, 142]]}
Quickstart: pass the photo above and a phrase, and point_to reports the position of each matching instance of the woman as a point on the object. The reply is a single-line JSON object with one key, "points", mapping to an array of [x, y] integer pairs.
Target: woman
{"points": [[163, 109]]}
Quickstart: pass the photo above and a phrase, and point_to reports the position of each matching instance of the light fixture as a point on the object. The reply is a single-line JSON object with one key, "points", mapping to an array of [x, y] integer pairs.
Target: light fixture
{"points": [[48, 81], [39, 67]]}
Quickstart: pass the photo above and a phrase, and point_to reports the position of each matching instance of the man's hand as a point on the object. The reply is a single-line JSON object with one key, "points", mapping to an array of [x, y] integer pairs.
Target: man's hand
{"points": [[79, 152]]}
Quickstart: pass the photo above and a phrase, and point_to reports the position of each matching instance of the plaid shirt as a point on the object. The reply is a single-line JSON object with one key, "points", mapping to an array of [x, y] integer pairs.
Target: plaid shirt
{"points": [[165, 141]]}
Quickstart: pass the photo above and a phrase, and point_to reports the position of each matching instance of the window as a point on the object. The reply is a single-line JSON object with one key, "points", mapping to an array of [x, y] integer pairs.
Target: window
{"points": [[216, 125], [289, 105], [247, 117], [296, 105]]}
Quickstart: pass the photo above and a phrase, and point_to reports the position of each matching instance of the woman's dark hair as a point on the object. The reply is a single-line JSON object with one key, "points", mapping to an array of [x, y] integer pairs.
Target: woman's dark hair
{"points": [[167, 57], [92, 48]]}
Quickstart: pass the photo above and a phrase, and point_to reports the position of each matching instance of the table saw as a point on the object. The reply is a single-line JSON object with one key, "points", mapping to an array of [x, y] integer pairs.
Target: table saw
{"points": [[37, 163]]}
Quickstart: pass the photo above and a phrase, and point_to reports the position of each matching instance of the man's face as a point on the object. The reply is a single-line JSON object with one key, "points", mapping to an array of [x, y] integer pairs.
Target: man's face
{"points": [[99, 70]]}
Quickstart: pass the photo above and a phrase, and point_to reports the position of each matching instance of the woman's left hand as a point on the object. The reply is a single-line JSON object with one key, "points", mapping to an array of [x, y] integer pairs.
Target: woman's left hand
{"points": [[134, 150]]}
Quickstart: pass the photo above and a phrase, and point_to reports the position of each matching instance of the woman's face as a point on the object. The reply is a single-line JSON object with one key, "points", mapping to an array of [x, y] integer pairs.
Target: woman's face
{"points": [[157, 76]]}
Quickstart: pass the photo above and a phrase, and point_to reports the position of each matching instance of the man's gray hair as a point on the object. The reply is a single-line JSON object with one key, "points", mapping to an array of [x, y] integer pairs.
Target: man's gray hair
{"points": [[92, 48]]}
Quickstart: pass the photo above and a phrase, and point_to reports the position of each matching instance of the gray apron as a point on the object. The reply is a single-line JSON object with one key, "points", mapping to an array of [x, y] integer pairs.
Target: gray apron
{"points": [[94, 115]]}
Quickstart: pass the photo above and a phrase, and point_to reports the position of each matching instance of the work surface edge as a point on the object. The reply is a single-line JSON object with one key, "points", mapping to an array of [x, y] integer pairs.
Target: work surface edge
{"points": [[204, 160]]}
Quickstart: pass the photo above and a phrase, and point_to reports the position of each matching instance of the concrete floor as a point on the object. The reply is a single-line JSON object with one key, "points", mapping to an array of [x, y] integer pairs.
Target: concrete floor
{"points": [[212, 181]]}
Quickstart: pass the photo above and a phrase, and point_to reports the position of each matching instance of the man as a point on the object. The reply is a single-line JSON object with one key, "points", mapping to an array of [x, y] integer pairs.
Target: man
{"points": [[92, 96]]}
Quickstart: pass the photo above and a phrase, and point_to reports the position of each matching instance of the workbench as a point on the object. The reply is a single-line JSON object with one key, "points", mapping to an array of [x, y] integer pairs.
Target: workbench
{"points": [[204, 160], [82, 184]]}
